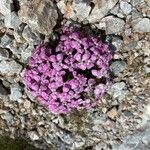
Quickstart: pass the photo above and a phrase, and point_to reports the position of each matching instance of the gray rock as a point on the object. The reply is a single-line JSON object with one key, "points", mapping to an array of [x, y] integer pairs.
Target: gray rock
{"points": [[33, 135], [10, 67], [112, 25], [39, 15], [117, 67], [82, 10], [30, 36], [125, 7], [101, 9], [16, 93], [6, 40], [78, 10], [12, 20], [4, 54], [137, 2], [2, 21], [6, 6], [146, 137], [26, 52], [8, 117], [142, 25], [115, 40], [118, 90]]}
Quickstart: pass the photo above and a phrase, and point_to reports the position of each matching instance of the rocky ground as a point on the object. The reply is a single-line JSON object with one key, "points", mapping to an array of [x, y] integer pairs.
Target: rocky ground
{"points": [[121, 120]]}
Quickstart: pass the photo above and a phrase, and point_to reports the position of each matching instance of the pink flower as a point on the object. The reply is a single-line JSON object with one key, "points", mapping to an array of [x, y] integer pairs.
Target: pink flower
{"points": [[69, 76]]}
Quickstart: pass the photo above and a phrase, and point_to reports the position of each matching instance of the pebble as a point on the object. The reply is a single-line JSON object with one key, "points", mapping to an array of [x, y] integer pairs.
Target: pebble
{"points": [[12, 20], [117, 67], [125, 7], [43, 19], [114, 25], [142, 26], [112, 113], [33, 135], [4, 54], [16, 93], [27, 104], [6, 40], [10, 67], [118, 90], [8, 117], [6, 6]]}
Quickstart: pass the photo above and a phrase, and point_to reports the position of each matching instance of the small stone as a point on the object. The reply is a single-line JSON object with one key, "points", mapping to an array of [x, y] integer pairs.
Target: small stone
{"points": [[4, 54], [12, 20], [112, 113], [113, 25], [6, 6], [118, 90], [6, 40], [82, 10], [146, 137], [30, 36], [117, 67], [8, 117], [100, 10], [10, 67], [40, 15], [125, 7], [26, 52], [16, 93], [27, 104], [142, 26], [33, 135]]}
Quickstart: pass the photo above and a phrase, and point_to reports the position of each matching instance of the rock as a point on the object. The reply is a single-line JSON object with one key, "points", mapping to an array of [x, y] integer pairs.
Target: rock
{"points": [[1, 21], [8, 117], [112, 25], [112, 113], [30, 36], [10, 67], [130, 143], [6, 6], [78, 10], [100, 9], [82, 10], [117, 67], [6, 40], [27, 104], [26, 52], [12, 20], [40, 15], [4, 54], [125, 7], [142, 25], [33, 135], [146, 137], [16, 93], [116, 42], [118, 90], [137, 2], [79, 142]]}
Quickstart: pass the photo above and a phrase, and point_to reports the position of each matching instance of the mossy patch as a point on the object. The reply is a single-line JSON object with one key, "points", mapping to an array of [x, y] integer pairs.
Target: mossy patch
{"points": [[7, 143]]}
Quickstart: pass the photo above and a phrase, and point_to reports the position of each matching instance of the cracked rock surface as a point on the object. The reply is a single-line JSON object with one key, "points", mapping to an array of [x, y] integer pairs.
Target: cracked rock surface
{"points": [[121, 121]]}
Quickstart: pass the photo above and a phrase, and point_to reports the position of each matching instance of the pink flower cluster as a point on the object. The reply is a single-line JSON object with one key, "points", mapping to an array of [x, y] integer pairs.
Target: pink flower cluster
{"points": [[73, 75]]}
